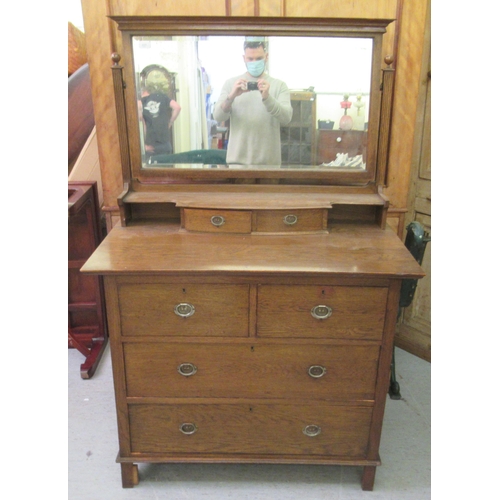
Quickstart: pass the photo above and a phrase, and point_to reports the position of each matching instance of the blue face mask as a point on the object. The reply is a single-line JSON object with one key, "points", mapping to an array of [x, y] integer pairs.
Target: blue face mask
{"points": [[256, 68]]}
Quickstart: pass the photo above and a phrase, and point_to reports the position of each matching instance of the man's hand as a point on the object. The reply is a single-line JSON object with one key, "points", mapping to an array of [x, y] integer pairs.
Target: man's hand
{"points": [[239, 87], [264, 87]]}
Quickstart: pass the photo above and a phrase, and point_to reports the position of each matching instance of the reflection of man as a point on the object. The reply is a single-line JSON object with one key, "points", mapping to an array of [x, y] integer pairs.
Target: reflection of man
{"points": [[158, 113], [255, 115]]}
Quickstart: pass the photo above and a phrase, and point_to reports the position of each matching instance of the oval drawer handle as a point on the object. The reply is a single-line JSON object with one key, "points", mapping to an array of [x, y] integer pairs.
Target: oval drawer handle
{"points": [[339, 139], [187, 369], [312, 430], [217, 220], [321, 312], [184, 310], [316, 371], [290, 219], [188, 428]]}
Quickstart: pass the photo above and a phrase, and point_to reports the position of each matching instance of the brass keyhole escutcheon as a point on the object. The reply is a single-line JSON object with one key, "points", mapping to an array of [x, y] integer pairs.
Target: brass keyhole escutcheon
{"points": [[217, 220], [321, 312], [187, 369], [290, 219], [188, 428], [184, 310], [316, 371], [312, 430]]}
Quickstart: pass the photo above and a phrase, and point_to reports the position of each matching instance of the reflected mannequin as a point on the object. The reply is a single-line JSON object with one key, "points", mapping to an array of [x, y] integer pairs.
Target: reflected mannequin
{"points": [[256, 105], [157, 111]]}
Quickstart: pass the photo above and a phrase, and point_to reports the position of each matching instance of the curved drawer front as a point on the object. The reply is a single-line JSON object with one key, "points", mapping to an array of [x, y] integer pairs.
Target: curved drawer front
{"points": [[186, 310], [217, 221], [214, 370], [246, 428], [321, 311]]}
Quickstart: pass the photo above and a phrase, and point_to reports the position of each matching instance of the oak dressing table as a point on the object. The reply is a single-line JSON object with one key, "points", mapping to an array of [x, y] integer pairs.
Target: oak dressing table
{"points": [[251, 309]]}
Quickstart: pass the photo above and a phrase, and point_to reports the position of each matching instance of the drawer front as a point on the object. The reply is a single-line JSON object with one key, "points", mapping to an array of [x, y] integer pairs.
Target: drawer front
{"points": [[291, 220], [247, 428], [184, 309], [334, 372], [217, 221], [321, 311]]}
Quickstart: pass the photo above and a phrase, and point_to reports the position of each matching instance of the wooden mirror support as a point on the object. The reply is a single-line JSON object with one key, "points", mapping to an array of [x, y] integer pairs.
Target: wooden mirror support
{"points": [[164, 193], [251, 313]]}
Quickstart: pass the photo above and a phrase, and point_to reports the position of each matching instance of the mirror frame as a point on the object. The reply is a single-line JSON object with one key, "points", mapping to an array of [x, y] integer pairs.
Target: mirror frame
{"points": [[131, 26]]}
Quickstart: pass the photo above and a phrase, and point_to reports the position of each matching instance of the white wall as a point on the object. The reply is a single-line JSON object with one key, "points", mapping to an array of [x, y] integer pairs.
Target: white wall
{"points": [[333, 66]]}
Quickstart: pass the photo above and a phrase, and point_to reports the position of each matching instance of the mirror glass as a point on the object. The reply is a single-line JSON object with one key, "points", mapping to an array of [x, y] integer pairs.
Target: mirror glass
{"points": [[180, 79]]}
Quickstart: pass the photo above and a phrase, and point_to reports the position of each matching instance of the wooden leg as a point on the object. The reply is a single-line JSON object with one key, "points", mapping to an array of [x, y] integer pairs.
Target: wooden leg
{"points": [[368, 477], [130, 475]]}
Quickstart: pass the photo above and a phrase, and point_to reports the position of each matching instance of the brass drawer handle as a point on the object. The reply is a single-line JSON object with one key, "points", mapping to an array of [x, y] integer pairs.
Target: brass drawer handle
{"points": [[312, 430], [321, 312], [188, 428], [187, 369], [316, 371], [290, 220], [184, 310], [217, 220]]}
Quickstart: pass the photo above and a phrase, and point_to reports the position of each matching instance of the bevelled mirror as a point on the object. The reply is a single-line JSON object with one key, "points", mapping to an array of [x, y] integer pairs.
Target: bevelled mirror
{"points": [[195, 109]]}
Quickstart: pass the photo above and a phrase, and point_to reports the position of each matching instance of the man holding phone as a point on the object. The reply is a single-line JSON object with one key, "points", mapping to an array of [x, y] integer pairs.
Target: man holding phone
{"points": [[256, 105]]}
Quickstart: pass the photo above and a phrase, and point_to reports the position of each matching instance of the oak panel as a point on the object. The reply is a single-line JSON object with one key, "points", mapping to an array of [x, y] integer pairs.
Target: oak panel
{"points": [[155, 8], [380, 9], [406, 91], [220, 310], [357, 312], [251, 370], [241, 7], [249, 428]]}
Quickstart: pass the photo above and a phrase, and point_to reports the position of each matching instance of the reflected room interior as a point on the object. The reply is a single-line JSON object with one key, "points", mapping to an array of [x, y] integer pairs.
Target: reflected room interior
{"points": [[329, 79]]}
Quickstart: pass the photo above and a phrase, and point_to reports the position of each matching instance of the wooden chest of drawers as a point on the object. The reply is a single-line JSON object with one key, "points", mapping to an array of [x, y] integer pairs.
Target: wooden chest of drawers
{"points": [[251, 348], [252, 308]]}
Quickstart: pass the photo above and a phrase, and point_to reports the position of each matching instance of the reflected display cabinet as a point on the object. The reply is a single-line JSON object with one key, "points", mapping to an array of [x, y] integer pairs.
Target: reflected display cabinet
{"points": [[298, 138], [251, 308]]}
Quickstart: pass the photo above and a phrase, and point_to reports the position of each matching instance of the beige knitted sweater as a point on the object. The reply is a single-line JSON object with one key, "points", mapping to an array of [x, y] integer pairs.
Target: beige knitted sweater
{"points": [[254, 136]]}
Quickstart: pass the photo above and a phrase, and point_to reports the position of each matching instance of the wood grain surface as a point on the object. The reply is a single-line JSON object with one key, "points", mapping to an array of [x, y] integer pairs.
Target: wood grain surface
{"points": [[351, 250]]}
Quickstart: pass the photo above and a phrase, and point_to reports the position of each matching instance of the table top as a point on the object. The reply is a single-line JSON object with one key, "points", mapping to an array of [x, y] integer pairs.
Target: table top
{"points": [[353, 250]]}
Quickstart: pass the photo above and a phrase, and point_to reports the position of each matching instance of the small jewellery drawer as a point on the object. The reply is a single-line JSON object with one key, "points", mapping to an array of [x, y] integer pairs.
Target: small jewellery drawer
{"points": [[319, 429], [251, 370], [321, 311], [217, 221], [184, 309], [291, 220]]}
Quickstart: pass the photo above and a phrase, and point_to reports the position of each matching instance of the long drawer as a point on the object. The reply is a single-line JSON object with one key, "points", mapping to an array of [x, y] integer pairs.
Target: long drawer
{"points": [[321, 311], [217, 369], [318, 429], [184, 309]]}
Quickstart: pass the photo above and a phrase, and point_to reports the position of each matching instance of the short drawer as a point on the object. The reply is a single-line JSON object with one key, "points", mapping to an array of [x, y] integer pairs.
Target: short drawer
{"points": [[321, 372], [275, 429], [184, 309], [302, 220], [321, 311], [217, 221]]}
